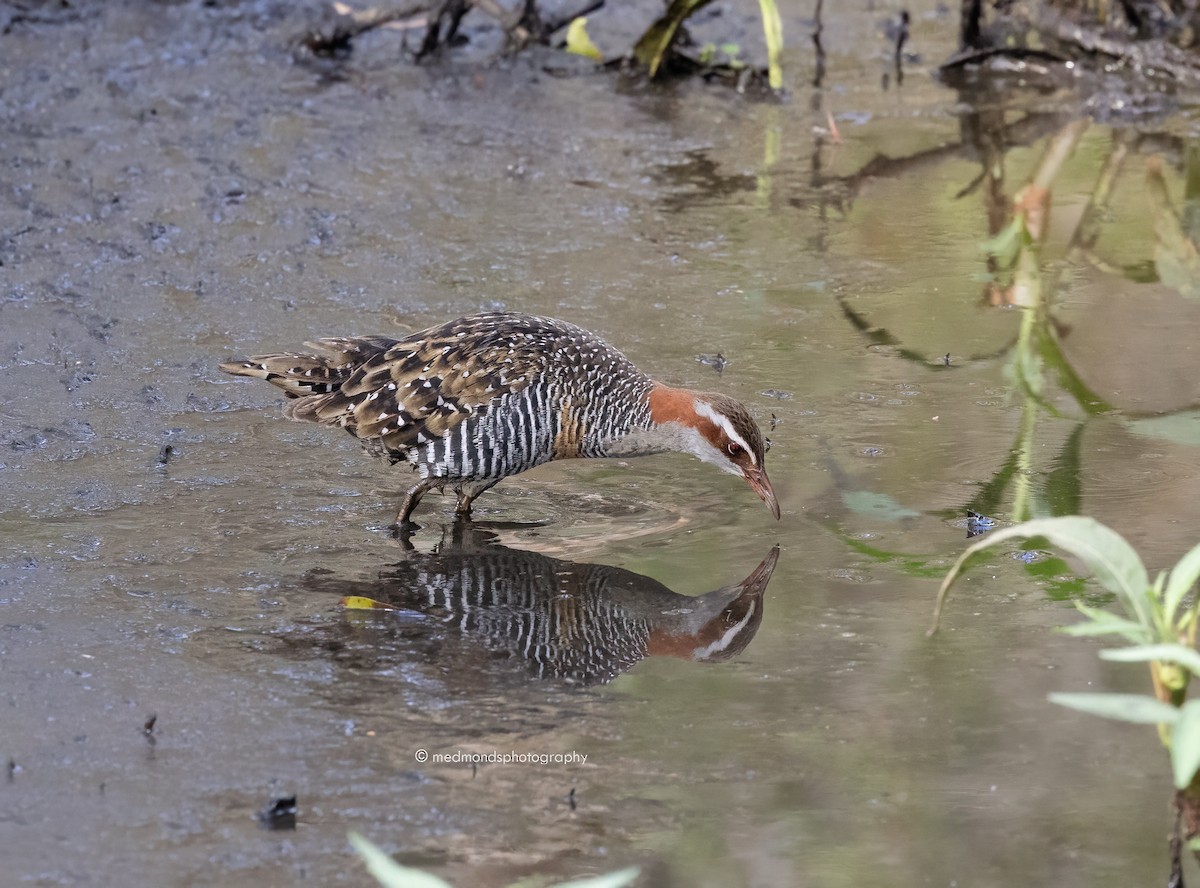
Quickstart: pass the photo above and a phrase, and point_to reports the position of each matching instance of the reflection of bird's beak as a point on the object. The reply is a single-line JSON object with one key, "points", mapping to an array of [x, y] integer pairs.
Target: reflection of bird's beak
{"points": [[761, 484]]}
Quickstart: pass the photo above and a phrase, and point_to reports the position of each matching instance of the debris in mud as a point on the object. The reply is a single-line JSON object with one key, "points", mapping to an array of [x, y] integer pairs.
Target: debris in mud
{"points": [[571, 799], [664, 49], [1152, 49], [280, 814], [778, 394], [165, 454], [361, 602], [148, 727], [718, 361], [11, 769], [76, 377]]}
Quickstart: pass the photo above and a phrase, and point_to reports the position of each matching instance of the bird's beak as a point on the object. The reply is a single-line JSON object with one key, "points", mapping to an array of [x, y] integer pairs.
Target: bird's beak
{"points": [[761, 484]]}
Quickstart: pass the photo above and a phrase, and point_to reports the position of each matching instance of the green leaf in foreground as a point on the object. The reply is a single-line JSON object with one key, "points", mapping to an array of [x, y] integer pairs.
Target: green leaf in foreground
{"points": [[619, 879], [1185, 744], [389, 873], [1183, 576], [1101, 622], [1113, 561], [1168, 653], [1137, 708]]}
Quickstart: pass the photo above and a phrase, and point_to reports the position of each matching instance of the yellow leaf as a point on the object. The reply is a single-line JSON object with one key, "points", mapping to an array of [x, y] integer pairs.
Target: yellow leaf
{"points": [[359, 602], [579, 42]]}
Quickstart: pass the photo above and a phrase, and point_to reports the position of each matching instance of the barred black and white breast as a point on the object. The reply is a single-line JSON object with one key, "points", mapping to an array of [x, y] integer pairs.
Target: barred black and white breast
{"points": [[477, 399]]}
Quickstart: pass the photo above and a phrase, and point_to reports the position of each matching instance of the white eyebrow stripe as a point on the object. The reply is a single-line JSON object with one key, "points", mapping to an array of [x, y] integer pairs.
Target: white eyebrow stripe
{"points": [[726, 638], [721, 420]]}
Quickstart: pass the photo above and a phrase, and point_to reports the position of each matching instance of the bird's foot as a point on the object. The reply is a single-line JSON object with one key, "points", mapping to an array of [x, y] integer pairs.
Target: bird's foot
{"points": [[402, 534]]}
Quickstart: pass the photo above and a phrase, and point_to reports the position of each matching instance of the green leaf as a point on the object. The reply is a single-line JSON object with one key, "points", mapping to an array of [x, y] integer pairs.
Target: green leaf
{"points": [[773, 31], [1102, 622], [1168, 653], [1183, 576], [389, 873], [1113, 561], [619, 879], [359, 602], [1185, 744], [578, 41], [653, 46], [1137, 708]]}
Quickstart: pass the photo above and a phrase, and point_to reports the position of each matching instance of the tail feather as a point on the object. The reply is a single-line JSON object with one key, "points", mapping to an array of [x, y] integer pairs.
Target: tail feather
{"points": [[321, 373]]}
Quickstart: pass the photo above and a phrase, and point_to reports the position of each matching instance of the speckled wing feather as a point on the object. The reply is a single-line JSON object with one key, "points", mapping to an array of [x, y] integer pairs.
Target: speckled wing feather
{"points": [[422, 387], [300, 374]]}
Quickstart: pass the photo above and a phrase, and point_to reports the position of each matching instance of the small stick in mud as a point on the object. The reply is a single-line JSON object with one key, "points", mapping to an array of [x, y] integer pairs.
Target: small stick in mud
{"points": [[280, 814]]}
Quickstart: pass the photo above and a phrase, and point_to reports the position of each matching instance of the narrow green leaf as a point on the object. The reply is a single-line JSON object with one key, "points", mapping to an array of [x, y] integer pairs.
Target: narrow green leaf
{"points": [[1102, 622], [773, 30], [1183, 576], [1169, 653], [619, 879], [1185, 744], [1137, 708], [1127, 629], [1113, 561], [389, 873]]}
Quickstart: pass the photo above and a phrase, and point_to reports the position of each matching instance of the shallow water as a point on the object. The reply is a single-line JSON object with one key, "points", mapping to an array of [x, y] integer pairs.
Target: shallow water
{"points": [[179, 191]]}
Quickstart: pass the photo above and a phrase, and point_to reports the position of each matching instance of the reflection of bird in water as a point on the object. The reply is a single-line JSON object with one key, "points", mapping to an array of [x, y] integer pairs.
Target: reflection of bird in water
{"points": [[585, 623], [477, 399]]}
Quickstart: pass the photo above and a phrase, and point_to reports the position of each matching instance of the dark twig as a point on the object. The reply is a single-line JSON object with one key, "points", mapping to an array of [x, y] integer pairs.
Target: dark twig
{"points": [[819, 74], [337, 38], [901, 39]]}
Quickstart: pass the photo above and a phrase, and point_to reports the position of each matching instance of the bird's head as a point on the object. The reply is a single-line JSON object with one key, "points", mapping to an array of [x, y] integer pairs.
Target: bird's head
{"points": [[720, 431]]}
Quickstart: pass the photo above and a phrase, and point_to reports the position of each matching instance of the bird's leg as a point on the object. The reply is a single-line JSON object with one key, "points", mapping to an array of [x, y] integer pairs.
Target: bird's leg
{"points": [[418, 490], [467, 494]]}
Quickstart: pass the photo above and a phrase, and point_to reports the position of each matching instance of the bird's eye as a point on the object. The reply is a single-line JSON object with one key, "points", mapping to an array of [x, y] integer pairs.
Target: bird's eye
{"points": [[734, 448]]}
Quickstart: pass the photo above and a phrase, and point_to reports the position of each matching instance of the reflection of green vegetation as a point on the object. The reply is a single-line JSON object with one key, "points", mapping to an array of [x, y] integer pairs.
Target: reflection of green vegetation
{"points": [[1051, 570], [392, 875], [1175, 256], [1017, 252], [1159, 625]]}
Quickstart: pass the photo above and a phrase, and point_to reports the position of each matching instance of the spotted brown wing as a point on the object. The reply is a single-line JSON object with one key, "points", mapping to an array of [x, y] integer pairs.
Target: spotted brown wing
{"points": [[424, 386]]}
